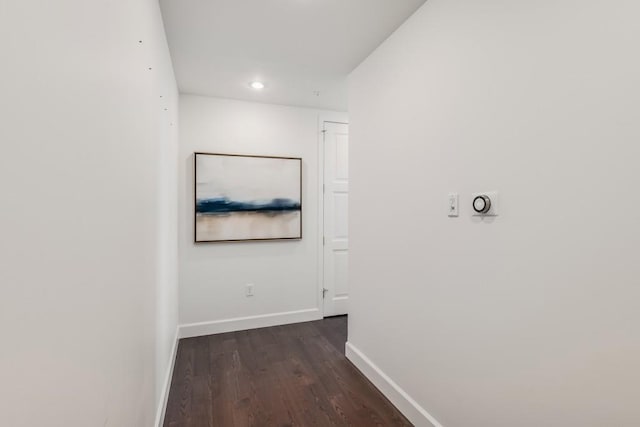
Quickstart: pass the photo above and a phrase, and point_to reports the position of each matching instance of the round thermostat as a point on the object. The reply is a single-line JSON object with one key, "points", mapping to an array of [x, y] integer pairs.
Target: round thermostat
{"points": [[482, 204]]}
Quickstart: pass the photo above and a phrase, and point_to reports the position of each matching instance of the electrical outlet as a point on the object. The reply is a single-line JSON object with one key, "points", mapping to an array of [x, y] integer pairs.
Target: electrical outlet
{"points": [[249, 290]]}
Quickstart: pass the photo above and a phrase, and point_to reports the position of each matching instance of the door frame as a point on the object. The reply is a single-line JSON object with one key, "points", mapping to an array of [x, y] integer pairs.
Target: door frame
{"points": [[326, 117]]}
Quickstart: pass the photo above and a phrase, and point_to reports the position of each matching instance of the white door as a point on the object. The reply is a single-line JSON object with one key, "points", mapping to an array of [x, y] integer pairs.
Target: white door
{"points": [[336, 231]]}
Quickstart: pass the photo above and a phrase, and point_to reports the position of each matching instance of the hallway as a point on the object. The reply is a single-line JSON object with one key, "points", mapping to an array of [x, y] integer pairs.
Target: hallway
{"points": [[292, 375]]}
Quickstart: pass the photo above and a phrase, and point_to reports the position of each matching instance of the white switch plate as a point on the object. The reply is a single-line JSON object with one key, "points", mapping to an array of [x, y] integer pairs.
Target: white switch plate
{"points": [[249, 290], [452, 204], [495, 203]]}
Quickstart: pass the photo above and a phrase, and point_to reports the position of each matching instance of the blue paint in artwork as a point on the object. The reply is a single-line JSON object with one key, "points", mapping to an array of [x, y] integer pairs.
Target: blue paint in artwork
{"points": [[219, 206]]}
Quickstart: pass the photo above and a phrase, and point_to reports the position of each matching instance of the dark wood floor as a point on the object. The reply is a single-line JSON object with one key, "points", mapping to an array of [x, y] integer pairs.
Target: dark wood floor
{"points": [[293, 375]]}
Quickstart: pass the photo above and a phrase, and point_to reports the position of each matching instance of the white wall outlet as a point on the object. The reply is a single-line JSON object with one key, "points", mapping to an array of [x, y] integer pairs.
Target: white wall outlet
{"points": [[485, 203], [452, 204], [248, 290]]}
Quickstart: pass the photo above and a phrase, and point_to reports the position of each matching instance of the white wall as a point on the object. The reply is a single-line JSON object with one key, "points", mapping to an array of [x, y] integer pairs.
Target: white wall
{"points": [[88, 307], [164, 98], [213, 275], [530, 319]]}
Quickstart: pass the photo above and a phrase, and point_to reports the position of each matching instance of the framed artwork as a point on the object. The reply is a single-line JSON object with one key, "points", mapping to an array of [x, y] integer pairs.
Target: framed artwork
{"points": [[240, 198]]}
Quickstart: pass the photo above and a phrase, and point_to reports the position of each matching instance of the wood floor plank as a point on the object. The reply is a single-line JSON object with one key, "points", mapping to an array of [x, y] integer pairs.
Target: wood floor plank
{"points": [[291, 375]]}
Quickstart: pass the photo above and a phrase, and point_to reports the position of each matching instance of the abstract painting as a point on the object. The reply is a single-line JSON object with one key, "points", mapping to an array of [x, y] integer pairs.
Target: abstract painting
{"points": [[247, 197]]}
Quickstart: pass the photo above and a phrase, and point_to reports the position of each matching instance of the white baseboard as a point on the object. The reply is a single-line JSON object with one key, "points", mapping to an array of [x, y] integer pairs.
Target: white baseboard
{"points": [[162, 405], [405, 404], [251, 322]]}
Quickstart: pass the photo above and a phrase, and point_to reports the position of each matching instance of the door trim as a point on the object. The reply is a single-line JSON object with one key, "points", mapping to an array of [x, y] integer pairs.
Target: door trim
{"points": [[328, 117]]}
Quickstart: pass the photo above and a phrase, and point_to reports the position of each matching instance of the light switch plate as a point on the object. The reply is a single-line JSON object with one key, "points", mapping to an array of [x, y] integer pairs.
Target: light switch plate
{"points": [[452, 204]]}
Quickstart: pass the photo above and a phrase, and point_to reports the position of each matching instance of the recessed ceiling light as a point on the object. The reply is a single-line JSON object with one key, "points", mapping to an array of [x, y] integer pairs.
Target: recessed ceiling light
{"points": [[256, 85]]}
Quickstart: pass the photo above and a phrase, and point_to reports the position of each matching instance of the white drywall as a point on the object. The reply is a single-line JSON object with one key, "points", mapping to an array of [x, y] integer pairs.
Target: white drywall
{"points": [[88, 183], [284, 273], [530, 318], [164, 99]]}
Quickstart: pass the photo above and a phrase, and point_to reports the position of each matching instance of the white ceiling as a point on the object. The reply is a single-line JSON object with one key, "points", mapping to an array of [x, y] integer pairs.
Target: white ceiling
{"points": [[296, 47]]}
